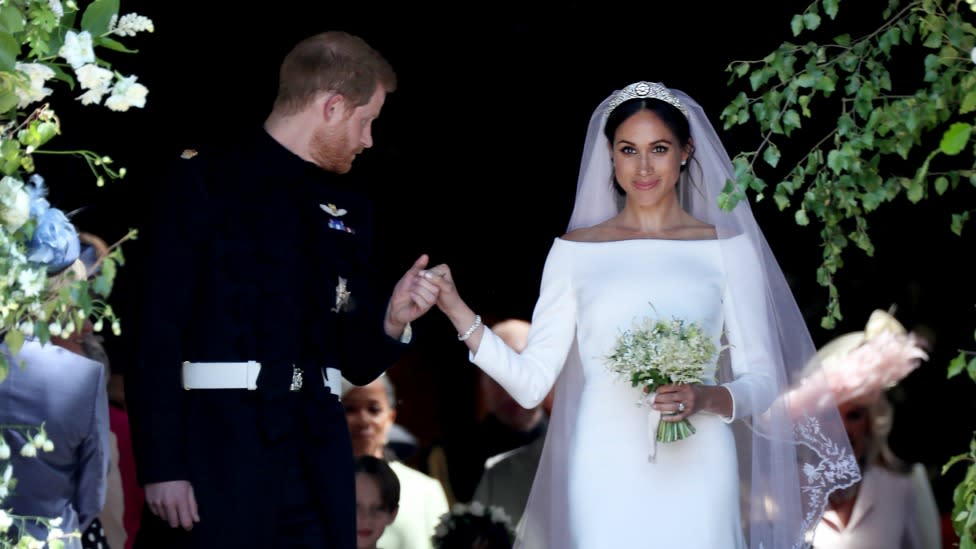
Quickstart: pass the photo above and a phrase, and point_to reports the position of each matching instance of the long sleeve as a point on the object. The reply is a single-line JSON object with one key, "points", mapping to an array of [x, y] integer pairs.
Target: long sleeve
{"points": [[528, 376], [746, 314], [93, 456], [924, 527], [365, 349]]}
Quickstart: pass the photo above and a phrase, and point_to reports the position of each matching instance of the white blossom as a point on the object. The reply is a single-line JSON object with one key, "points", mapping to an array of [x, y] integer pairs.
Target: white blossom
{"points": [[56, 7], [54, 533], [972, 54], [28, 451], [92, 77], [77, 49], [127, 93], [37, 75], [31, 282], [130, 24], [92, 97], [14, 203], [6, 521], [4, 449]]}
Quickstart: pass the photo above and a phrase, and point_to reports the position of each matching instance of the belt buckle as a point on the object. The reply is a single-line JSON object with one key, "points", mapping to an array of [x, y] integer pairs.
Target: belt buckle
{"points": [[296, 378]]}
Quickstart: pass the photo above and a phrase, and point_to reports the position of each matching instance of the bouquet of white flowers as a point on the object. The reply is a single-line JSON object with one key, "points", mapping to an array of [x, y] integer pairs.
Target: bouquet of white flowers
{"points": [[662, 352]]}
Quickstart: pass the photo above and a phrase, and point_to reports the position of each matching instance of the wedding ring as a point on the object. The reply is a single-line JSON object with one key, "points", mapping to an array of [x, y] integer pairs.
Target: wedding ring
{"points": [[681, 407]]}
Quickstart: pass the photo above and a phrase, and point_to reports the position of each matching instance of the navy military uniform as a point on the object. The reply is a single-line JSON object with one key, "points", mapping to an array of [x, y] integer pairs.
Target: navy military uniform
{"points": [[253, 253]]}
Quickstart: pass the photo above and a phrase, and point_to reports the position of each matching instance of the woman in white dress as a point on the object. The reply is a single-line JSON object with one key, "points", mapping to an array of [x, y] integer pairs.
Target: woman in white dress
{"points": [[753, 475]]}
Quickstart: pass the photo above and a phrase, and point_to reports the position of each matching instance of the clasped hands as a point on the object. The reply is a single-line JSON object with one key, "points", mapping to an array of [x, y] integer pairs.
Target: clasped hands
{"points": [[418, 291]]}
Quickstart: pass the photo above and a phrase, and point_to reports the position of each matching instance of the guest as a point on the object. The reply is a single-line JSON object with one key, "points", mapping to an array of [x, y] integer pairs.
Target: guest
{"points": [[371, 413], [377, 500], [58, 387], [893, 506]]}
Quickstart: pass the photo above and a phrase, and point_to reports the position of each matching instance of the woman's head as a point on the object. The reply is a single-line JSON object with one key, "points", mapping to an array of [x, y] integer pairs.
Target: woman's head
{"points": [[650, 140], [370, 413], [377, 499]]}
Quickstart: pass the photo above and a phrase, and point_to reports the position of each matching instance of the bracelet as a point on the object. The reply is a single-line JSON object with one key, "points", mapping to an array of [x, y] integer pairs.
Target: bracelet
{"points": [[474, 326]]}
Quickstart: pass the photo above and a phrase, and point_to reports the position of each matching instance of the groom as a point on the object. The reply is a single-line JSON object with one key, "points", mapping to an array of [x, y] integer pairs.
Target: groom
{"points": [[255, 299]]}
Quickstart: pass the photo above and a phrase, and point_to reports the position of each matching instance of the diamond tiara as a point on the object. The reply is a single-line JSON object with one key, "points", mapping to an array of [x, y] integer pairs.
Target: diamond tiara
{"points": [[645, 90]]}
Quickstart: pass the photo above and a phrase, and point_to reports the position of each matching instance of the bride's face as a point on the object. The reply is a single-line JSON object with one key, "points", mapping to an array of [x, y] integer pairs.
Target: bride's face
{"points": [[370, 417], [646, 158]]}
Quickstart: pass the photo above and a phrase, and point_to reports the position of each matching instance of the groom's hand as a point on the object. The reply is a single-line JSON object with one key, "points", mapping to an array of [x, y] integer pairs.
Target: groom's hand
{"points": [[413, 295]]}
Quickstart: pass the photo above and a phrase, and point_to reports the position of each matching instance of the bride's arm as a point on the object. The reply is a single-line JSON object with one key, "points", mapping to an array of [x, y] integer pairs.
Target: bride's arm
{"points": [[527, 376], [753, 353]]}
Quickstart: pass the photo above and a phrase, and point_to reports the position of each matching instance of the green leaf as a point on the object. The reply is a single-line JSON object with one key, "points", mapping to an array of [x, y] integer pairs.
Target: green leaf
{"points": [[941, 185], [958, 220], [831, 7], [796, 24], [811, 21], [8, 100], [11, 20], [9, 51], [968, 102], [801, 218], [956, 366], [916, 191], [771, 155], [955, 138], [14, 340], [112, 44], [97, 16]]}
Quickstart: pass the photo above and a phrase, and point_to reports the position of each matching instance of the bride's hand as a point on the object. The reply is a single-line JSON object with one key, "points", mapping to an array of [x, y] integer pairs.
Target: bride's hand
{"points": [[448, 299]]}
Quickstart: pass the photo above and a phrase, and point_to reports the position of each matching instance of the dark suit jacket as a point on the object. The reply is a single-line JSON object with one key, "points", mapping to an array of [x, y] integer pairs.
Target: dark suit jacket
{"points": [[239, 262]]}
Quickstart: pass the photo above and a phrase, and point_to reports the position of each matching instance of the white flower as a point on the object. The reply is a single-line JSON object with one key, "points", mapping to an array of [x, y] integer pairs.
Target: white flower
{"points": [[55, 6], [477, 509], [6, 521], [37, 75], [92, 77], [55, 522], [48, 445], [14, 203], [972, 54], [77, 48], [4, 449], [28, 451], [127, 93], [54, 533], [31, 282], [130, 24]]}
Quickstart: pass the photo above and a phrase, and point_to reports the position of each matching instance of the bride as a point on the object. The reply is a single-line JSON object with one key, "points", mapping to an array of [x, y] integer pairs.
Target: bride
{"points": [[648, 241]]}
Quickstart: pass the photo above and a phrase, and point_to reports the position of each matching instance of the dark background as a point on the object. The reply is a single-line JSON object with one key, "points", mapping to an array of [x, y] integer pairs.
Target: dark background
{"points": [[476, 159]]}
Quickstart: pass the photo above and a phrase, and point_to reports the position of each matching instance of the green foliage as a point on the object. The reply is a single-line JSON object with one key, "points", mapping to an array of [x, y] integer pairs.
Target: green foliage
{"points": [[41, 47], [881, 124], [881, 132]]}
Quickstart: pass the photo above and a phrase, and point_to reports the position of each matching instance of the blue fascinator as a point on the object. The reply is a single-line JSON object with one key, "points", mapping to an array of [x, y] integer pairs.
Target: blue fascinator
{"points": [[55, 242]]}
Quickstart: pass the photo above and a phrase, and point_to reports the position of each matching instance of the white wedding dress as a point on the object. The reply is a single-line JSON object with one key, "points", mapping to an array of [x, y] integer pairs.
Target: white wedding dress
{"points": [[688, 497]]}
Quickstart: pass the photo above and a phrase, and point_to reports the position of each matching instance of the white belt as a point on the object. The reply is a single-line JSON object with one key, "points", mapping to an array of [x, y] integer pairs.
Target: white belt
{"points": [[244, 375]]}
